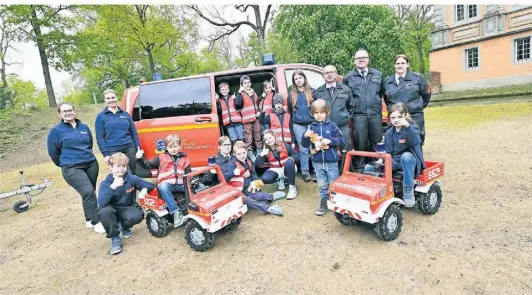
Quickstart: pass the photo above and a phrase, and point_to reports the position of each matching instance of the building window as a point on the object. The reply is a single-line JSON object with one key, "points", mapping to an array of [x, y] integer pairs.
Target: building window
{"points": [[471, 56], [472, 9], [465, 12], [460, 13], [522, 49]]}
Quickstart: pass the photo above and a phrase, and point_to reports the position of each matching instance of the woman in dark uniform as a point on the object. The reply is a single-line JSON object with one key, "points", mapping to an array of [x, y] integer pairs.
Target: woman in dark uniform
{"points": [[409, 88], [70, 147], [115, 131]]}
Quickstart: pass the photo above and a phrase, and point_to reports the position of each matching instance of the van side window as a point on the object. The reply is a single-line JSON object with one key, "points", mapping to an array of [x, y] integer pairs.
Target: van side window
{"points": [[136, 110], [175, 98], [315, 79]]}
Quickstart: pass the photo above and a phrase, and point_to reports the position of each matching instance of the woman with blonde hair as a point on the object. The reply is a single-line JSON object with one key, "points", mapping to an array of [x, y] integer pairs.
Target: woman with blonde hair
{"points": [[116, 131]]}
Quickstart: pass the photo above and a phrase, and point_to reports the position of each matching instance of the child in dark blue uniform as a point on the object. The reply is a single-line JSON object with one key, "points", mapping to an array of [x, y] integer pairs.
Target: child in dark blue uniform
{"points": [[403, 143], [116, 201]]}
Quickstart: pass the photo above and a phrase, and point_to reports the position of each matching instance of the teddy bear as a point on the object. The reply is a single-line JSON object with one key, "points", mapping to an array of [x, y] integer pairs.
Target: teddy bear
{"points": [[316, 140]]}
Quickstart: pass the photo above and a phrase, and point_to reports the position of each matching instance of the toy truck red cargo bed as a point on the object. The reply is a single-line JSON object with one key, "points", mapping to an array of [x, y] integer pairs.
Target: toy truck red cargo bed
{"points": [[433, 172]]}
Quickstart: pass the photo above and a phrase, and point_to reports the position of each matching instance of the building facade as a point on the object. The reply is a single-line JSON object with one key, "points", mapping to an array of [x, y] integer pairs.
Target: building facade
{"points": [[480, 46]]}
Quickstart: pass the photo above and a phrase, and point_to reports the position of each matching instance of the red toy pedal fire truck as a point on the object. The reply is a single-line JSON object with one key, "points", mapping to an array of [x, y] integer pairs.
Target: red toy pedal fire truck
{"points": [[376, 198], [206, 208]]}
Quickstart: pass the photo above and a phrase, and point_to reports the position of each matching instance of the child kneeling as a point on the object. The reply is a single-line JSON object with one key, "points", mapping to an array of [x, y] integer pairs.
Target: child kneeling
{"points": [[281, 157], [172, 165], [240, 173], [326, 137], [116, 201]]}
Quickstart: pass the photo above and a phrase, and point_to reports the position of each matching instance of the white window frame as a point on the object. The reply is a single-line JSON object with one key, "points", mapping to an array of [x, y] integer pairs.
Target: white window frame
{"points": [[466, 61], [466, 19], [514, 51]]}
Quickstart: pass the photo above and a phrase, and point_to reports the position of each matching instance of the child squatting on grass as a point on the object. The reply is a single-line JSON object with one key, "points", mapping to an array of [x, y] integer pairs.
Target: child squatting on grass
{"points": [[172, 165], [323, 136], [116, 201]]}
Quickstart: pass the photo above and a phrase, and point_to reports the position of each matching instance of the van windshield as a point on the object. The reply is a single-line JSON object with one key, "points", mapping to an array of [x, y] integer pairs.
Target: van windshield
{"points": [[175, 98]]}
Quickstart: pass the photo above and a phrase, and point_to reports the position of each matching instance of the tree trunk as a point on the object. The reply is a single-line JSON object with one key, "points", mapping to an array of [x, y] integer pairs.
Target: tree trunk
{"points": [[150, 60], [420, 55], [124, 83], [260, 29], [44, 60]]}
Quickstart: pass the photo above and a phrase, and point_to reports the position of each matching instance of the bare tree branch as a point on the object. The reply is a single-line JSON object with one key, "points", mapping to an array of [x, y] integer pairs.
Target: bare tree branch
{"points": [[222, 23], [242, 8], [266, 18]]}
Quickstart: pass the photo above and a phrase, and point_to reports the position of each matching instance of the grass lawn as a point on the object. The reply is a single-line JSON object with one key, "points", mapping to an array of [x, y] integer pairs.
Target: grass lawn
{"points": [[465, 116]]}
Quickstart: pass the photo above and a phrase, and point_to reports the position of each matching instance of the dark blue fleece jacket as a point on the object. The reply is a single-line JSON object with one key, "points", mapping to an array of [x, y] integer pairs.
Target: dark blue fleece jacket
{"points": [[115, 132], [405, 140], [70, 146], [326, 129], [123, 195]]}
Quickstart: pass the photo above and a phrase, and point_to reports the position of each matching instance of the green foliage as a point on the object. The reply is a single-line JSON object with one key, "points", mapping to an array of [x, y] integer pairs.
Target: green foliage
{"points": [[26, 95], [150, 39], [330, 34], [274, 43]]}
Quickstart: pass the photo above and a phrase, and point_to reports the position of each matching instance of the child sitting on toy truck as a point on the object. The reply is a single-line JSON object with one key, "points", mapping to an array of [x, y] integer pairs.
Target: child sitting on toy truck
{"points": [[240, 173], [403, 143], [172, 166], [324, 136], [116, 201]]}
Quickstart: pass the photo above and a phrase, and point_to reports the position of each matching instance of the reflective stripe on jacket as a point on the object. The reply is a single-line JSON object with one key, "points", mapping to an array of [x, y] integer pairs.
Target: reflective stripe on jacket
{"points": [[280, 160], [281, 130], [170, 171]]}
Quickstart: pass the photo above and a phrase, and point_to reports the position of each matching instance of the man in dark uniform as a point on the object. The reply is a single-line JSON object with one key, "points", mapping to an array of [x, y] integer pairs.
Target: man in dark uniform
{"points": [[409, 88], [366, 86], [339, 101]]}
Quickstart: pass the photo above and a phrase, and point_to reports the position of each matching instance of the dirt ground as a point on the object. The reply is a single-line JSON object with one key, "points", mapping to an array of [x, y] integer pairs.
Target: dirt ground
{"points": [[479, 242]]}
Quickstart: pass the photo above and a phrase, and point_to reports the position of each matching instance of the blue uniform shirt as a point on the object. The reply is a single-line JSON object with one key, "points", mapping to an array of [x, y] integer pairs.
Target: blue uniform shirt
{"points": [[70, 146], [115, 132]]}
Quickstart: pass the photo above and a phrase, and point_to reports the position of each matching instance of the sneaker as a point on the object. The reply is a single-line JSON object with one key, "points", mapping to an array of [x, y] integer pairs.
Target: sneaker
{"points": [[314, 177], [88, 224], [306, 177], [322, 208], [408, 197], [280, 184], [127, 233], [98, 227], [177, 218], [116, 245], [292, 192], [278, 195], [275, 210]]}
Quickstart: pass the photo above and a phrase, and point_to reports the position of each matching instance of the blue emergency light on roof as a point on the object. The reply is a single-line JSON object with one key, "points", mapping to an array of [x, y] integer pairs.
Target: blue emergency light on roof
{"points": [[268, 59], [157, 76]]}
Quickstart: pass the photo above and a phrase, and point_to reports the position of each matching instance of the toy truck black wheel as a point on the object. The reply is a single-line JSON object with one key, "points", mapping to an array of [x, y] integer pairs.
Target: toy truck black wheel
{"points": [[233, 225], [344, 220], [21, 206], [389, 226], [158, 226], [197, 237], [430, 202]]}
